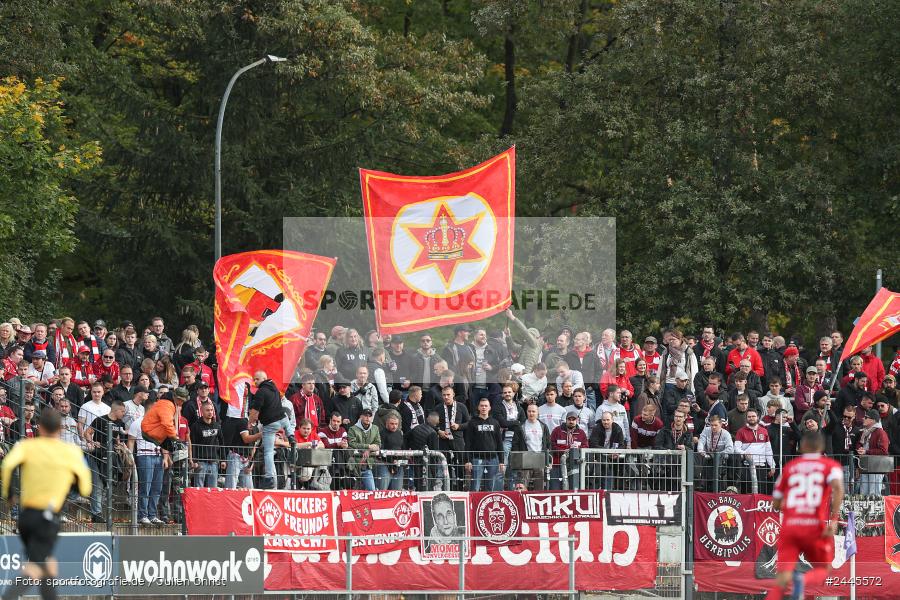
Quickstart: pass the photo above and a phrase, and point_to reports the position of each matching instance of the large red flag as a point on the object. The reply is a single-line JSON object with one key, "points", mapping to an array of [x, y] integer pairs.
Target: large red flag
{"points": [[440, 247], [266, 303], [879, 321]]}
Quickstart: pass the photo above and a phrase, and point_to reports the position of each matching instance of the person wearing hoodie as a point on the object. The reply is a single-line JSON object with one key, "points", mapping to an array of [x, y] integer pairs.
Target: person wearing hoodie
{"points": [[365, 437], [675, 394], [650, 395], [620, 415], [366, 391], [873, 367], [873, 441], [267, 411], [775, 394], [484, 447], [564, 438]]}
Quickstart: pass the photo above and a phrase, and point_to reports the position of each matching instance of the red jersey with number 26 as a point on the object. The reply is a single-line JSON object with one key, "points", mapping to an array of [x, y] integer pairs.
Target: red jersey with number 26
{"points": [[805, 491]]}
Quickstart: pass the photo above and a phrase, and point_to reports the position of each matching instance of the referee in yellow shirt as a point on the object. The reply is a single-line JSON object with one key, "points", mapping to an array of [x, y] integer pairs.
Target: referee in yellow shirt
{"points": [[49, 467]]}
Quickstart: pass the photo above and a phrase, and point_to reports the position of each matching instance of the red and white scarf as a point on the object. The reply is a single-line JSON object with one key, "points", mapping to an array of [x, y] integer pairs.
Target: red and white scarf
{"points": [[65, 347], [707, 346]]}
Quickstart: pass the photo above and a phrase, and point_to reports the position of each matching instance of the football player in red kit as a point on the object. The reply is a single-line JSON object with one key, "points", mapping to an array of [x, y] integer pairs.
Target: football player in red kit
{"points": [[808, 493]]}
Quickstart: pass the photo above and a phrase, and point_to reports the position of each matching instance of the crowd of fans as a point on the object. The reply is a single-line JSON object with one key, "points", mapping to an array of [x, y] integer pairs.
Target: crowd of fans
{"points": [[740, 402]]}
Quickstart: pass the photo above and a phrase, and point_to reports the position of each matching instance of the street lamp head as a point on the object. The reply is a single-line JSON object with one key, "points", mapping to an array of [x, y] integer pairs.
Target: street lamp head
{"points": [[275, 59]]}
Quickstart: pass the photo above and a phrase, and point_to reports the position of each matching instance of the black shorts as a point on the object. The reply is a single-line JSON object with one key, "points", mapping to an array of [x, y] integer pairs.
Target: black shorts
{"points": [[38, 534]]}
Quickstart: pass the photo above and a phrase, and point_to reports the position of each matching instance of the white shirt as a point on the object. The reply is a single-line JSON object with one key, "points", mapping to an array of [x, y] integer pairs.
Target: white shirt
{"points": [[534, 436], [69, 432], [132, 412], [91, 410], [141, 446], [574, 376], [532, 386], [43, 375], [620, 416], [551, 415]]}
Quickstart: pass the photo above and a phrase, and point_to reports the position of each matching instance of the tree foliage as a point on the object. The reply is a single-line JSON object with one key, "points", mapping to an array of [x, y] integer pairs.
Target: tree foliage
{"points": [[748, 150]]}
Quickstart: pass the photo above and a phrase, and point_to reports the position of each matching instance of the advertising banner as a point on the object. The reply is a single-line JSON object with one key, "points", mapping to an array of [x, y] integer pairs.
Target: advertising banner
{"points": [[174, 565], [643, 508], [86, 564], [563, 506], [383, 521]]}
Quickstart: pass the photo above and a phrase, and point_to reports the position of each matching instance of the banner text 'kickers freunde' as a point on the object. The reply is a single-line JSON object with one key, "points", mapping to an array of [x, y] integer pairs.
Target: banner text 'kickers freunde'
{"points": [[440, 247]]}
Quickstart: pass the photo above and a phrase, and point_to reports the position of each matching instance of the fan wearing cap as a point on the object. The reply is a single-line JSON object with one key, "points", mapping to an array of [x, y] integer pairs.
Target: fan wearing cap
{"points": [[82, 367], [566, 437], [794, 367], [344, 402], [366, 438], [803, 397], [873, 441], [40, 371]]}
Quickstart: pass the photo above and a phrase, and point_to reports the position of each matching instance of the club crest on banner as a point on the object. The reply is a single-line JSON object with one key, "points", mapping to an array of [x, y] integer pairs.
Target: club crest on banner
{"points": [[497, 518], [403, 514], [444, 246], [269, 513], [363, 515], [768, 531]]}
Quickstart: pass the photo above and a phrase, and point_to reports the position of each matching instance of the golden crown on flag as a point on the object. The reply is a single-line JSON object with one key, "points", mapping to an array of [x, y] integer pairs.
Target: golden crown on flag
{"points": [[445, 242]]}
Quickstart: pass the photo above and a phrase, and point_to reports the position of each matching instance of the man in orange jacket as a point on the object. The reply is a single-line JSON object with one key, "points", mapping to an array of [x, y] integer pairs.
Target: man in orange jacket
{"points": [[160, 424]]}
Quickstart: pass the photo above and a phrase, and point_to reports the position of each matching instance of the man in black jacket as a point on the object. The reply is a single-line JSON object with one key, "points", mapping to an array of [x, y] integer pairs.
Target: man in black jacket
{"points": [[411, 411], [266, 410], [484, 447], [772, 359], [424, 435], [343, 402], [608, 473], [388, 474], [399, 365], [452, 419]]}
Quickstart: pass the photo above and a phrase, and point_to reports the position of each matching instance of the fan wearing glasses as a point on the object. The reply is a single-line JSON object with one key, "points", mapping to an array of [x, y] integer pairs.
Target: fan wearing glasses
{"points": [[316, 350], [108, 366]]}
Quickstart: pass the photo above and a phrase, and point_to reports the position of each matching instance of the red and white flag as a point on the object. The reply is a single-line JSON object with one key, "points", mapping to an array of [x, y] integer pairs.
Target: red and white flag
{"points": [[380, 521], [440, 247], [266, 303]]}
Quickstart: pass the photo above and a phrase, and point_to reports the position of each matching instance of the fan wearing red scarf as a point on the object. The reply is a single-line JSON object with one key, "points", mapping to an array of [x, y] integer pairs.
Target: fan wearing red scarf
{"points": [[307, 404], [83, 374]]}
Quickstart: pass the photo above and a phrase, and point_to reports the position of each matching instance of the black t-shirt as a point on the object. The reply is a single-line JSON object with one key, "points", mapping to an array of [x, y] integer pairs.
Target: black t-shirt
{"points": [[231, 433], [100, 426], [206, 440]]}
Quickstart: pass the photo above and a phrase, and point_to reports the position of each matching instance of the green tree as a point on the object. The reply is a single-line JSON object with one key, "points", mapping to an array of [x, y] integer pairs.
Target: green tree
{"points": [[39, 157]]}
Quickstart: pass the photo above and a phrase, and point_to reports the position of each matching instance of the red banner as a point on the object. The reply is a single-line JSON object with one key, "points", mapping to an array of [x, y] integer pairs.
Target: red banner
{"points": [[266, 303], [606, 558], [892, 531], [383, 521], [497, 516], [440, 247], [723, 527], [879, 321], [290, 521], [874, 577]]}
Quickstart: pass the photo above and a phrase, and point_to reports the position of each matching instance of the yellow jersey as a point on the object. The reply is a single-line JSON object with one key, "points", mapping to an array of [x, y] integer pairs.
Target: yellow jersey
{"points": [[49, 467]]}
